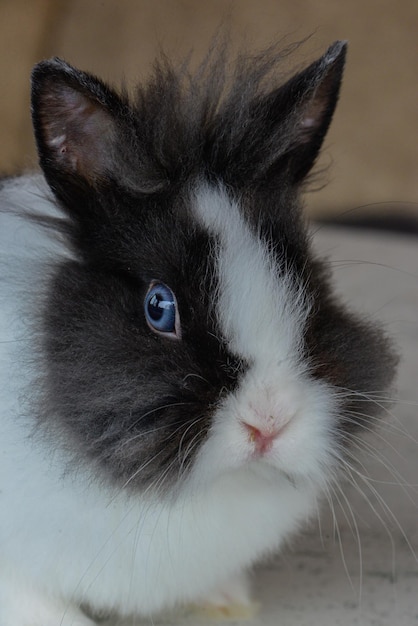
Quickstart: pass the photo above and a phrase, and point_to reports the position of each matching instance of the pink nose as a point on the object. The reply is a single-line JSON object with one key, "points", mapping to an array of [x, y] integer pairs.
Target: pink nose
{"points": [[261, 438]]}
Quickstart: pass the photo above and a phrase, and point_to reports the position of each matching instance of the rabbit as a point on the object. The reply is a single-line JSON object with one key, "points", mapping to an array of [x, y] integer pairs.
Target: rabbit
{"points": [[179, 382]]}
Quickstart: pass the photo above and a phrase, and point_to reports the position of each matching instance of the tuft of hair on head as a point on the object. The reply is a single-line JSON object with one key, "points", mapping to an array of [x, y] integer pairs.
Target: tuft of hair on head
{"points": [[236, 123]]}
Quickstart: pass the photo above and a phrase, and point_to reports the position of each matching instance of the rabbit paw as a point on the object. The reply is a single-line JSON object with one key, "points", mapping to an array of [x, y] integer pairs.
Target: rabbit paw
{"points": [[23, 606], [230, 602]]}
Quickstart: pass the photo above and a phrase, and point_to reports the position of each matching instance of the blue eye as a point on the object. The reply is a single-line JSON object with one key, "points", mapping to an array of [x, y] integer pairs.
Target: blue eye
{"points": [[161, 310]]}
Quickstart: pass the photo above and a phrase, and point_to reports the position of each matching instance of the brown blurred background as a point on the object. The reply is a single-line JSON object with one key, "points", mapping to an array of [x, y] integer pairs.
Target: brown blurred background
{"points": [[372, 149]]}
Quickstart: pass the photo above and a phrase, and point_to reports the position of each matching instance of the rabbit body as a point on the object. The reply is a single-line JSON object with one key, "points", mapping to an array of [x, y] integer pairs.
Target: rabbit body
{"points": [[113, 549], [172, 357]]}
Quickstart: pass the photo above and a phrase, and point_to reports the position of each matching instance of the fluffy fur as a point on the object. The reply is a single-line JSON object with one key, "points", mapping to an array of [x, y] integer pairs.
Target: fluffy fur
{"points": [[139, 471]]}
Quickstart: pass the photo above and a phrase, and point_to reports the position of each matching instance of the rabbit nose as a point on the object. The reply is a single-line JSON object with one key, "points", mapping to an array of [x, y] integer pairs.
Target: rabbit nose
{"points": [[262, 437]]}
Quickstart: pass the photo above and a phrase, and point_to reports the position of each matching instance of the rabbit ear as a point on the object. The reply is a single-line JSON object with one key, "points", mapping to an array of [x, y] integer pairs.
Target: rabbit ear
{"points": [[307, 103], [74, 116]]}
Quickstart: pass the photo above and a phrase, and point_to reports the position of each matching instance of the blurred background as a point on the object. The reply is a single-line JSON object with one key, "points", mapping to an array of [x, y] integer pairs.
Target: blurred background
{"points": [[372, 148]]}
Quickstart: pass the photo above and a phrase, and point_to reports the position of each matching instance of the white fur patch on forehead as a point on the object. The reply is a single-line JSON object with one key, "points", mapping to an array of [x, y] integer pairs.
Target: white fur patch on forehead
{"points": [[262, 309]]}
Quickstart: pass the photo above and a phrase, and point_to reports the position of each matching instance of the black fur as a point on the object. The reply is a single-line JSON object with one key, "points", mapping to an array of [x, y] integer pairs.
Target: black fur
{"points": [[135, 403]]}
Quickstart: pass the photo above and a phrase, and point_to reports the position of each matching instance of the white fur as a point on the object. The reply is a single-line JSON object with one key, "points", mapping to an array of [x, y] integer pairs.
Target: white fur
{"points": [[263, 312], [65, 540]]}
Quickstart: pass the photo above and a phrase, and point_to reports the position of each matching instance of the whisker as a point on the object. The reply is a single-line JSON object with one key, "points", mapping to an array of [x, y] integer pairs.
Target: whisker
{"points": [[337, 533], [369, 396], [191, 446], [355, 532], [375, 431], [390, 516], [381, 459], [198, 376], [378, 425], [196, 421], [155, 410], [141, 469], [154, 430], [392, 471], [342, 263], [361, 492], [364, 445], [394, 483]]}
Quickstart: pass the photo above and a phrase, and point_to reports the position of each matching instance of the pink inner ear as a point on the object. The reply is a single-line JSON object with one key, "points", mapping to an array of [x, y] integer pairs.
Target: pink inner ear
{"points": [[78, 130], [312, 117], [308, 122]]}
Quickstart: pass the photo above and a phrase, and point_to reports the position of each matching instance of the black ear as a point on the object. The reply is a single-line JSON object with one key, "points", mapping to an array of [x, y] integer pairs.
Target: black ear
{"points": [[75, 122], [307, 103]]}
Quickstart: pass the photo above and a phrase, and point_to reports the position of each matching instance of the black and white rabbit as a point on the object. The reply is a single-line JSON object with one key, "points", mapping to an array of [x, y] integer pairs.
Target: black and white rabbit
{"points": [[178, 382]]}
